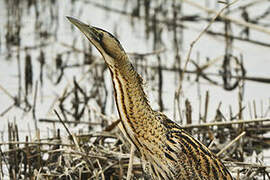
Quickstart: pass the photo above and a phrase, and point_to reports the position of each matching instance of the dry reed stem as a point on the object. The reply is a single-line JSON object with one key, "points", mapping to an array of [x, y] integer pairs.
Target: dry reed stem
{"points": [[63, 124], [68, 131], [34, 106], [68, 122], [231, 143], [236, 21], [226, 123], [131, 159], [6, 92], [250, 165], [197, 39], [33, 143], [179, 89], [101, 170]]}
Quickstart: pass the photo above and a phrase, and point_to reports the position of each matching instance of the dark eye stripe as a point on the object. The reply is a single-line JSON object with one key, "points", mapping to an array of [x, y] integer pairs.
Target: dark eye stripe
{"points": [[101, 34]]}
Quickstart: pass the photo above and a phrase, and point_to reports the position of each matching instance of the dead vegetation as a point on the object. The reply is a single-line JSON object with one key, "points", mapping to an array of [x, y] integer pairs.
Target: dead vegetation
{"points": [[102, 151]]}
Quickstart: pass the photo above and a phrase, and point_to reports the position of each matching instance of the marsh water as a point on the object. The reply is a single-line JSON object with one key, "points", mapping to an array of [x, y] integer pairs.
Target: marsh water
{"points": [[42, 53]]}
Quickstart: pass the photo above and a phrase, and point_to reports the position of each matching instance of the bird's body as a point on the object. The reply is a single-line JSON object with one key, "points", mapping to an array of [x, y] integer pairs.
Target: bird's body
{"points": [[167, 151]]}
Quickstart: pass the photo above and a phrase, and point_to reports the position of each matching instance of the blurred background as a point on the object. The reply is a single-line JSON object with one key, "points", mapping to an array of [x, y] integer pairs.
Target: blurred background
{"points": [[46, 64]]}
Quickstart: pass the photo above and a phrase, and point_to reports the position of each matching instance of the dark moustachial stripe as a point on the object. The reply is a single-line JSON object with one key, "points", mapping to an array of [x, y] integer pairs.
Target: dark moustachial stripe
{"points": [[122, 97], [118, 107]]}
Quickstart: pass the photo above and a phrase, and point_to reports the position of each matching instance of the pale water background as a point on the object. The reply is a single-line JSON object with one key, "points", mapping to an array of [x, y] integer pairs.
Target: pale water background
{"points": [[255, 57]]}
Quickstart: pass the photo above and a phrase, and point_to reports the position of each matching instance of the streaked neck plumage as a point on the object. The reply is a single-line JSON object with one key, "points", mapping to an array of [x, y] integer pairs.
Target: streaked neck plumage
{"points": [[130, 98]]}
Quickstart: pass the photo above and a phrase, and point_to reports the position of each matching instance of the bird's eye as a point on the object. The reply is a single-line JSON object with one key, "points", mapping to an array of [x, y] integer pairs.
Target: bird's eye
{"points": [[100, 35]]}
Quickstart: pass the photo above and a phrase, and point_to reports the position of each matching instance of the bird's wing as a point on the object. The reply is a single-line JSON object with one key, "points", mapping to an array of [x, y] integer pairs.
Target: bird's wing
{"points": [[189, 157]]}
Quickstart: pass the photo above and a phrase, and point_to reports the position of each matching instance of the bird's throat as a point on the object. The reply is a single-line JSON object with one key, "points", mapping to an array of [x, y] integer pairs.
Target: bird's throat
{"points": [[130, 98]]}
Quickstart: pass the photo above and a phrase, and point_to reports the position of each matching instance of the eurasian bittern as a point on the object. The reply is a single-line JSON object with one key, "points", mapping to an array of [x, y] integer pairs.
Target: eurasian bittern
{"points": [[167, 151]]}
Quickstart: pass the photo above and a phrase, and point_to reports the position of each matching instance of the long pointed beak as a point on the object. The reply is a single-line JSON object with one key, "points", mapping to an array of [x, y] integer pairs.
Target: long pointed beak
{"points": [[89, 31]]}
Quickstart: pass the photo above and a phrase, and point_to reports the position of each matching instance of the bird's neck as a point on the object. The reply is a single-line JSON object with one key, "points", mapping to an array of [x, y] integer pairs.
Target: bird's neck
{"points": [[131, 101]]}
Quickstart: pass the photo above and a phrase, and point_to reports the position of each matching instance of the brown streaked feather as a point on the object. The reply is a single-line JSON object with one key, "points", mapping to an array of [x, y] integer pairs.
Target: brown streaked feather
{"points": [[167, 151]]}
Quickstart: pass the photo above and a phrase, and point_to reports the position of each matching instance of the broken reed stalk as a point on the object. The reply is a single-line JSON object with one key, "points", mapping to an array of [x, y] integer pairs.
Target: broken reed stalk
{"points": [[63, 123], [33, 143], [19, 80], [34, 106], [226, 123], [231, 143], [131, 159], [38, 148], [72, 136], [206, 106], [68, 122]]}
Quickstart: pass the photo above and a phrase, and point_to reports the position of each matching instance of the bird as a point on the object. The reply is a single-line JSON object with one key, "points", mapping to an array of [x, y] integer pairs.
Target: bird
{"points": [[166, 150]]}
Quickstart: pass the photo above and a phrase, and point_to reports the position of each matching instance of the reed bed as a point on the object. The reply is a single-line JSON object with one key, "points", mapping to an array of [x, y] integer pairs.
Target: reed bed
{"points": [[101, 151], [107, 154]]}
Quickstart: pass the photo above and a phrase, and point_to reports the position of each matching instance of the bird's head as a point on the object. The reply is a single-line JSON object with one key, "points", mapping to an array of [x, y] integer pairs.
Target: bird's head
{"points": [[109, 47]]}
